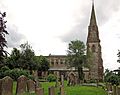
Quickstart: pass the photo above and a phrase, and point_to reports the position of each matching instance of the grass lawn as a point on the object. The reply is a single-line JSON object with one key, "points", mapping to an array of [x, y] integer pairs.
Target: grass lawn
{"points": [[71, 90]]}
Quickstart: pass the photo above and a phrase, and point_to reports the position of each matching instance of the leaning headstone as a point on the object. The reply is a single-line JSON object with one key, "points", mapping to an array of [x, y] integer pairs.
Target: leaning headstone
{"points": [[7, 86], [114, 90], [109, 87], [39, 91], [51, 90], [57, 82], [35, 75], [0, 86], [62, 90], [110, 91], [118, 90], [31, 86], [21, 85], [62, 80]]}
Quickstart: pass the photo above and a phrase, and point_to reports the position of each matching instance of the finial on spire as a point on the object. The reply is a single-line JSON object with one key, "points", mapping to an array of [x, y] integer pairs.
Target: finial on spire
{"points": [[92, 2], [93, 17]]}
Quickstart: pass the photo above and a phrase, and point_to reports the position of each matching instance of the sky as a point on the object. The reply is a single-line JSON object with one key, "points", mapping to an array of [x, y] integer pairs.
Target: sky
{"points": [[49, 25]]}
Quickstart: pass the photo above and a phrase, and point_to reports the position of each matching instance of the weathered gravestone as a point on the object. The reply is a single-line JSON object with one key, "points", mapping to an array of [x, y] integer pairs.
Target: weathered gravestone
{"points": [[118, 90], [72, 79], [21, 85], [114, 90], [110, 90], [62, 80], [109, 87], [62, 90], [39, 91], [0, 86], [7, 86], [57, 82], [31, 86], [51, 90]]}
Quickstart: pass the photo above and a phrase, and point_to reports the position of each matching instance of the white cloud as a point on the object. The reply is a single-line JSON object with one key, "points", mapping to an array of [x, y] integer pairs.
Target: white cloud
{"points": [[14, 38], [50, 24]]}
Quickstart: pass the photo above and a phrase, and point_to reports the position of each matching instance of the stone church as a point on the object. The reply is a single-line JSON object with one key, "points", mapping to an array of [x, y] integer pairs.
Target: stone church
{"points": [[95, 70], [93, 45]]}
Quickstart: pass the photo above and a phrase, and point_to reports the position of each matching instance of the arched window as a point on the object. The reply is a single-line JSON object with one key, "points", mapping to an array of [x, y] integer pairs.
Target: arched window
{"points": [[93, 48]]}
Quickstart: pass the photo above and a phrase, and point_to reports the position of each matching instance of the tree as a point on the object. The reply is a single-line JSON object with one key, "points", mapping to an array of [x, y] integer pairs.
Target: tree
{"points": [[107, 74], [76, 56], [43, 63], [3, 42], [13, 61], [111, 77], [118, 56], [27, 60]]}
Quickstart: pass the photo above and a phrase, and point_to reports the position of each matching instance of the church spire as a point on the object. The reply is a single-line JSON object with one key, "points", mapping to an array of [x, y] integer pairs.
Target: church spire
{"points": [[93, 46], [93, 34], [93, 17]]}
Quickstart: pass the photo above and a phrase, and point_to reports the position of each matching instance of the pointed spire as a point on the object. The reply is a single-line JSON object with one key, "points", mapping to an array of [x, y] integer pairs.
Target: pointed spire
{"points": [[93, 17]]}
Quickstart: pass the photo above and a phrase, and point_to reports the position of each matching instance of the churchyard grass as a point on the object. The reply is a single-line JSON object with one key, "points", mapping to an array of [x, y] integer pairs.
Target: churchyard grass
{"points": [[76, 90], [70, 90]]}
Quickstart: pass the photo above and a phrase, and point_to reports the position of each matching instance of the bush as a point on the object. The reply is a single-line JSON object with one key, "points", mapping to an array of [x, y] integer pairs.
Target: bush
{"points": [[3, 69], [92, 81], [14, 73], [113, 79], [51, 78], [31, 77]]}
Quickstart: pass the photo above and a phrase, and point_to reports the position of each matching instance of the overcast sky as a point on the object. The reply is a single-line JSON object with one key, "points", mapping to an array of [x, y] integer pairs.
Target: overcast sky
{"points": [[49, 25]]}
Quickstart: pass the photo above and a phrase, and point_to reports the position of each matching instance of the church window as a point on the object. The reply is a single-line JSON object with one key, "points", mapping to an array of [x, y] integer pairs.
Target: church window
{"points": [[56, 61], [52, 62], [93, 48], [61, 61]]}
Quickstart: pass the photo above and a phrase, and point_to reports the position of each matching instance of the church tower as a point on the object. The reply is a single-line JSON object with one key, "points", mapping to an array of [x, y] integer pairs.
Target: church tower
{"points": [[95, 61]]}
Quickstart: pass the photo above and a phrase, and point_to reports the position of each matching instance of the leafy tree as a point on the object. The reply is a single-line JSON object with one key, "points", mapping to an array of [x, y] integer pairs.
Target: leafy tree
{"points": [[111, 77], [43, 63], [107, 74], [118, 56], [13, 61], [3, 42], [27, 60], [76, 56]]}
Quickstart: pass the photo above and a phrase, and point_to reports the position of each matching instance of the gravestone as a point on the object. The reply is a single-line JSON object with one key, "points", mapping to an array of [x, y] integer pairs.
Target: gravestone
{"points": [[39, 91], [62, 80], [0, 86], [51, 90], [31, 86], [21, 85], [109, 87], [118, 90], [57, 82], [114, 90], [7, 86], [62, 90], [35, 75]]}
